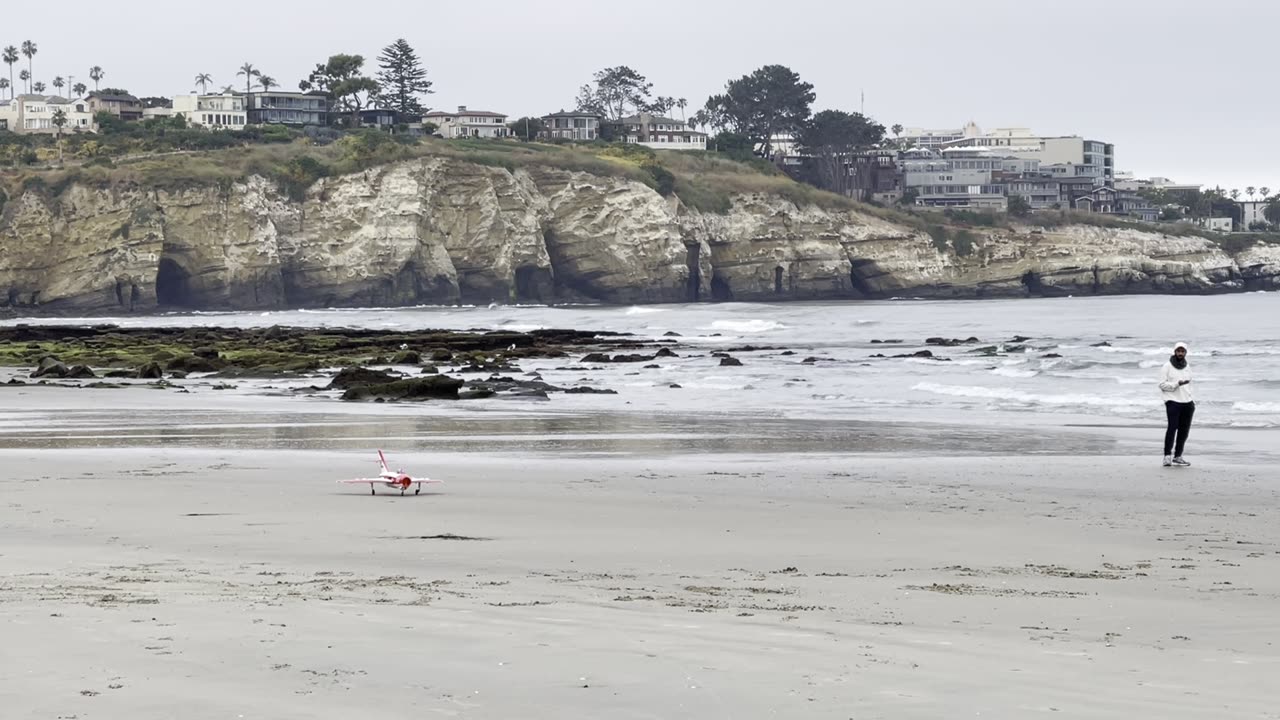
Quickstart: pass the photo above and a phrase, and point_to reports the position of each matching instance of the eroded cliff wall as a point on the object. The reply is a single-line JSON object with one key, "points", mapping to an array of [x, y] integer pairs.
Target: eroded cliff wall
{"points": [[443, 231]]}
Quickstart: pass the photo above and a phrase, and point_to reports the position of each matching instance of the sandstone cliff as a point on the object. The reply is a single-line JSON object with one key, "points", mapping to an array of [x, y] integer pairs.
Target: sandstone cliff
{"points": [[444, 231]]}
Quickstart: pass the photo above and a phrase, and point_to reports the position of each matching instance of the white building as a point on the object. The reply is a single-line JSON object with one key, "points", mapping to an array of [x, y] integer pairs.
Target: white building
{"points": [[219, 111], [1252, 211], [661, 133], [34, 114], [1128, 181], [1216, 224], [468, 123]]}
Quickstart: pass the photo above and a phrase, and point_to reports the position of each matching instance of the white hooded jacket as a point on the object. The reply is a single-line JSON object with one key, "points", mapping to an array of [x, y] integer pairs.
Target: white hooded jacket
{"points": [[1170, 376]]}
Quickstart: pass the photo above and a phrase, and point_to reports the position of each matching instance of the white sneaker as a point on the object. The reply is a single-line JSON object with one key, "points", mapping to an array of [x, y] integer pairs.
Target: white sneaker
{"points": [[1180, 462], [1168, 460]]}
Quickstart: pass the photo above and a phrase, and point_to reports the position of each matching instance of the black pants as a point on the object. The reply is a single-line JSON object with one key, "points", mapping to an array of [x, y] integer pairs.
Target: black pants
{"points": [[1179, 425]]}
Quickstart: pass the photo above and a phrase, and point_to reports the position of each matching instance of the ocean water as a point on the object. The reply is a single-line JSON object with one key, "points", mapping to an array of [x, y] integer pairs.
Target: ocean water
{"points": [[1085, 360]]}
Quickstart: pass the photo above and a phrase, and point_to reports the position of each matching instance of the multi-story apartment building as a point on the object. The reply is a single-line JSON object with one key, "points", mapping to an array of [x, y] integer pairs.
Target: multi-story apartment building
{"points": [[468, 123], [287, 108]]}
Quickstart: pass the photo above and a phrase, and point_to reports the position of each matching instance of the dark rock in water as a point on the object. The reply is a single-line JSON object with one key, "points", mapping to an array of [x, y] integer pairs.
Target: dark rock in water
{"points": [[477, 394], [987, 351], [1104, 343], [526, 394], [430, 370], [887, 342], [730, 362], [274, 332], [603, 358], [407, 357], [752, 348], [117, 374], [652, 367], [50, 367], [178, 375], [15, 381], [435, 387], [920, 354], [441, 355], [950, 342], [671, 333], [191, 363], [207, 353], [1020, 339], [789, 352], [1051, 356], [150, 371], [720, 354], [666, 353], [675, 386], [351, 377], [589, 391]]}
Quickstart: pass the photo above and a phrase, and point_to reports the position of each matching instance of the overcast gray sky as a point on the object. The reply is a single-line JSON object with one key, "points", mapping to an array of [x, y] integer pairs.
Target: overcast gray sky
{"points": [[1183, 88]]}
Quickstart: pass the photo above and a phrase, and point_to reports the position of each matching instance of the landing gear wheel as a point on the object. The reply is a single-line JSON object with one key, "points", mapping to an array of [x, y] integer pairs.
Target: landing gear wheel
{"points": [[417, 490], [373, 490]]}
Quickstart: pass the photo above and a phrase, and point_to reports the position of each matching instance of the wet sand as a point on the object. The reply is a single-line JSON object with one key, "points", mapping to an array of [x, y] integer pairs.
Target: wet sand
{"points": [[211, 577]]}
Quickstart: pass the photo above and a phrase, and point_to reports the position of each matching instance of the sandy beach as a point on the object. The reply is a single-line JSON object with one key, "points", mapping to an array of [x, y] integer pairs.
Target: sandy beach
{"points": [[209, 576]]}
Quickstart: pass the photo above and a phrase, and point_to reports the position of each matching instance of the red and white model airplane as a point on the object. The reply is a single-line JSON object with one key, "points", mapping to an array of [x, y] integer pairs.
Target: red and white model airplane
{"points": [[394, 480]]}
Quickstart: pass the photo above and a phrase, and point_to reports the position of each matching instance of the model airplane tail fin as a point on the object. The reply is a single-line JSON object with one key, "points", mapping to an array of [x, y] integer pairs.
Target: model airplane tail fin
{"points": [[382, 462]]}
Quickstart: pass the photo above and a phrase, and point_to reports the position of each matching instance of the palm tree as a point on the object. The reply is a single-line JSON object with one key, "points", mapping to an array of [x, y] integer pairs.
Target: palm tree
{"points": [[267, 82], [682, 104], [203, 80], [4, 83], [29, 50], [79, 90], [39, 88], [25, 77], [59, 121], [59, 83], [1265, 192], [96, 74], [249, 72], [1235, 194], [227, 90], [10, 57], [1251, 191]]}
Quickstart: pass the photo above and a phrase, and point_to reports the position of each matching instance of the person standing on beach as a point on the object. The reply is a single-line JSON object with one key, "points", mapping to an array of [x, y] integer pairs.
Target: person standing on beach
{"points": [[1179, 405]]}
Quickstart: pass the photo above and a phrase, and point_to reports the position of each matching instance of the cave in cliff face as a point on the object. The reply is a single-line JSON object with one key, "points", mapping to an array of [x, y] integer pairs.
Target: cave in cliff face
{"points": [[534, 284], [173, 285]]}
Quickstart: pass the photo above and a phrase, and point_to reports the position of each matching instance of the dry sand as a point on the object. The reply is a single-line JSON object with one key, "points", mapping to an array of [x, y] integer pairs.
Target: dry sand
{"points": [[244, 583]]}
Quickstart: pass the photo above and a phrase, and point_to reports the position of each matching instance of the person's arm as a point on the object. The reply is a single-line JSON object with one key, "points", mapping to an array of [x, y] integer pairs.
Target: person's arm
{"points": [[1167, 383]]}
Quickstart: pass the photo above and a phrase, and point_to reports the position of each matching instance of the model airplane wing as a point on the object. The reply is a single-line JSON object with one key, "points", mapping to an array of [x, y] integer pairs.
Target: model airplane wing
{"points": [[357, 481]]}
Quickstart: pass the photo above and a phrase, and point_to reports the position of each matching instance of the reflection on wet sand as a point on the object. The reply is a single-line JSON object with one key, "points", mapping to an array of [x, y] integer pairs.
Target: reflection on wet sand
{"points": [[584, 434]]}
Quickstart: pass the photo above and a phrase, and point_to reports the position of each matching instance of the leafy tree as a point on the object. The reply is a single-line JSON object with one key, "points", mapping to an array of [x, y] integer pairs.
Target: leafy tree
{"points": [[96, 73], [1235, 194], [897, 129], [1019, 206], [1272, 212], [29, 51], [402, 78], [769, 101], [1259, 226], [830, 138], [10, 57], [340, 79], [526, 128], [79, 90], [203, 80], [1170, 214], [59, 83], [909, 196], [249, 72], [617, 92], [155, 102], [267, 82]]}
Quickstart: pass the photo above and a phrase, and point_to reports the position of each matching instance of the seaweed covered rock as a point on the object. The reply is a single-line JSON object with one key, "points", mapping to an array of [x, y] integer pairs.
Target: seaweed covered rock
{"points": [[433, 387], [351, 377]]}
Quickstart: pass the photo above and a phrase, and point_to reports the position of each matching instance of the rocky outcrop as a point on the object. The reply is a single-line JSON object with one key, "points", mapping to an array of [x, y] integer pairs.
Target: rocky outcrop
{"points": [[443, 231]]}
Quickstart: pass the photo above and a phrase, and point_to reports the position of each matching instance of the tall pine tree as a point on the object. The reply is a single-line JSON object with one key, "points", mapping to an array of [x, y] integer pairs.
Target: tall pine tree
{"points": [[402, 78]]}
